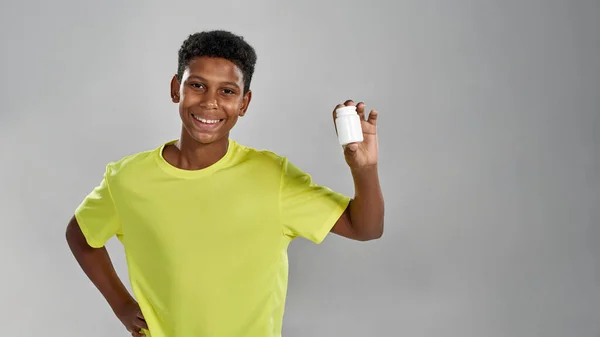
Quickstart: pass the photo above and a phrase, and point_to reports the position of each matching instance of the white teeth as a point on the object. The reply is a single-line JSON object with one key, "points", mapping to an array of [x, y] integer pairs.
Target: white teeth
{"points": [[207, 121]]}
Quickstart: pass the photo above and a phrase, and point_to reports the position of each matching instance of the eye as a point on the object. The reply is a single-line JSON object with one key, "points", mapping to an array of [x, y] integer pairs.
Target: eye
{"points": [[197, 85], [228, 91]]}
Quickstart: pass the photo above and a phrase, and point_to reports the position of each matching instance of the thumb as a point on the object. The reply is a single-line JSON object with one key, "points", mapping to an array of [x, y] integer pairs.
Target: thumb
{"points": [[350, 148]]}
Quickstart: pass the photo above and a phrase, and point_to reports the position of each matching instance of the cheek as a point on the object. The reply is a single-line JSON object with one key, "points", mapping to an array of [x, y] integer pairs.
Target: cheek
{"points": [[233, 109], [186, 102], [182, 109]]}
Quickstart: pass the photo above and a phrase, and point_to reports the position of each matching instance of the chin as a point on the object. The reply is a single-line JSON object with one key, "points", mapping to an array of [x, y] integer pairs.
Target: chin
{"points": [[204, 138]]}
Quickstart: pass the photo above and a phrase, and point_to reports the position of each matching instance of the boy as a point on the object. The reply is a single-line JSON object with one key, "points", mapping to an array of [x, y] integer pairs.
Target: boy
{"points": [[205, 221]]}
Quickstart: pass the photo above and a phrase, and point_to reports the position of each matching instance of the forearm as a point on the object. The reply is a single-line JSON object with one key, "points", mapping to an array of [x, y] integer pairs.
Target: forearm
{"points": [[97, 265], [367, 207]]}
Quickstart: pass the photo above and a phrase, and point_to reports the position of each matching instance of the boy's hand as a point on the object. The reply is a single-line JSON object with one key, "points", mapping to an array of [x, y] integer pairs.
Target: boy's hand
{"points": [[362, 155], [132, 318]]}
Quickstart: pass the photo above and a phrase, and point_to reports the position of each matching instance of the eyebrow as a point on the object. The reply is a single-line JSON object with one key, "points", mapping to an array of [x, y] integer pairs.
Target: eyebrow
{"points": [[200, 78]]}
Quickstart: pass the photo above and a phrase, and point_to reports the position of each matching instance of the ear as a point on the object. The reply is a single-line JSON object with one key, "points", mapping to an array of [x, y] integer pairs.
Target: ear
{"points": [[245, 103], [175, 85]]}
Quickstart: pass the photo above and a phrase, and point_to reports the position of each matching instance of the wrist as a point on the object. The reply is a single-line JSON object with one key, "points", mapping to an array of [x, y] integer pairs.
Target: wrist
{"points": [[123, 304], [368, 169]]}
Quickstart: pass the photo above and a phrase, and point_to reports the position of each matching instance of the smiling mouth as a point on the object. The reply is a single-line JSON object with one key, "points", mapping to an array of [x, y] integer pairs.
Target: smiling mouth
{"points": [[206, 122]]}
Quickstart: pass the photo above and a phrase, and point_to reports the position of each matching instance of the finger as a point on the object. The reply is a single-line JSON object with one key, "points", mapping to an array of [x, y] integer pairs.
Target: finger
{"points": [[349, 102], [140, 323], [373, 117], [137, 331], [360, 110], [334, 116], [137, 334], [140, 315]]}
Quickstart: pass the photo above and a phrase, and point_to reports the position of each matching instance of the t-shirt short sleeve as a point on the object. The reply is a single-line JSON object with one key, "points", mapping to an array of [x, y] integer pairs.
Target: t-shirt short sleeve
{"points": [[308, 210], [97, 215]]}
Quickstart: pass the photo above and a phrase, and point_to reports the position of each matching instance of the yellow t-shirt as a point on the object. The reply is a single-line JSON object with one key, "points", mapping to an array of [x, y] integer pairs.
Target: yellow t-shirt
{"points": [[207, 249]]}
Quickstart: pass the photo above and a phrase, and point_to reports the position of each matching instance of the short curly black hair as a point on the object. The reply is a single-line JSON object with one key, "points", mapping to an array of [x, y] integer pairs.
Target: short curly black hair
{"points": [[222, 44]]}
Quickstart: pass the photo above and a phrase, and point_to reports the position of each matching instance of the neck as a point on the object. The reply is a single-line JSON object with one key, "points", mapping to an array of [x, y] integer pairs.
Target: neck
{"points": [[193, 155]]}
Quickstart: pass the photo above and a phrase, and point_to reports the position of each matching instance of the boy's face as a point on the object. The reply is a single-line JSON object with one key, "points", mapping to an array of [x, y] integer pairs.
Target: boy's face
{"points": [[211, 98]]}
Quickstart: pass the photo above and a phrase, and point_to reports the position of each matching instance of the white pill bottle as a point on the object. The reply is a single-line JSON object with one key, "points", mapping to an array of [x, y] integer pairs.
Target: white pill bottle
{"points": [[347, 122]]}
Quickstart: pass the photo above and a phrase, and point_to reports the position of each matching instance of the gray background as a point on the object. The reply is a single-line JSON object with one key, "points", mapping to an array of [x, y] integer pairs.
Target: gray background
{"points": [[489, 140]]}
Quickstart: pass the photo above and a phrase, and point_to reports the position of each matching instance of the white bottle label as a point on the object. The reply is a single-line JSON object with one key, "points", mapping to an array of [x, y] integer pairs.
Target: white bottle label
{"points": [[349, 129]]}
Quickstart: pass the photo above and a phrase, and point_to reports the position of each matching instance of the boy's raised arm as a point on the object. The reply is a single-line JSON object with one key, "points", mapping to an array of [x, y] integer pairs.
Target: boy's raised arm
{"points": [[363, 218]]}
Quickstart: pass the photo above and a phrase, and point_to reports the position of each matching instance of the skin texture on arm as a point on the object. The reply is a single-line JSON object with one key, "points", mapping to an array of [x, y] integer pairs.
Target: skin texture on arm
{"points": [[364, 216], [97, 265]]}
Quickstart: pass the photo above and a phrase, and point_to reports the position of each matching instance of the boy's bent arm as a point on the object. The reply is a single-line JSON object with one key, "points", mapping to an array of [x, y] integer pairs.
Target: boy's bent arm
{"points": [[98, 267], [364, 216]]}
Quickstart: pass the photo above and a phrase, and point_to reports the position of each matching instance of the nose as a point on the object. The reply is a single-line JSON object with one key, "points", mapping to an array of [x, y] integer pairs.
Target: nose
{"points": [[209, 100]]}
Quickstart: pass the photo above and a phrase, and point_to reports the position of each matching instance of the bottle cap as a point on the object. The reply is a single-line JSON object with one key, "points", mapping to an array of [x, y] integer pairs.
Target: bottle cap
{"points": [[345, 111]]}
